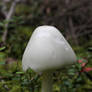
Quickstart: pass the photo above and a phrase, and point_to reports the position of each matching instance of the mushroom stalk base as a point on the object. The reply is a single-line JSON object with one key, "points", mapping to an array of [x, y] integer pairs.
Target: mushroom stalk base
{"points": [[47, 82]]}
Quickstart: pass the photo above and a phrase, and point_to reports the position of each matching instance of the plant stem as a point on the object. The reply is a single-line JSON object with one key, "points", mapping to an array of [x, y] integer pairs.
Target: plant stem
{"points": [[47, 82]]}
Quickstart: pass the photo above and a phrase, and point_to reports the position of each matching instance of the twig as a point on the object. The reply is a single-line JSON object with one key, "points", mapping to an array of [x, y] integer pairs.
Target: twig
{"points": [[9, 15]]}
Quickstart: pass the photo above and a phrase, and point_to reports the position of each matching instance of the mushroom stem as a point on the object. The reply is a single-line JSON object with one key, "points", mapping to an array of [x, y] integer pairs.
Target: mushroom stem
{"points": [[47, 82]]}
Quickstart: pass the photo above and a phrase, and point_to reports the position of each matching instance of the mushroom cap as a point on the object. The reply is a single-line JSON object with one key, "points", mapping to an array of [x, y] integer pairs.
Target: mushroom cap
{"points": [[47, 50]]}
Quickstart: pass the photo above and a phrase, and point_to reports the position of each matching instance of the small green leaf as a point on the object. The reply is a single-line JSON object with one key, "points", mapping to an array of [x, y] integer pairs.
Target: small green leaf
{"points": [[19, 72], [90, 49], [2, 48]]}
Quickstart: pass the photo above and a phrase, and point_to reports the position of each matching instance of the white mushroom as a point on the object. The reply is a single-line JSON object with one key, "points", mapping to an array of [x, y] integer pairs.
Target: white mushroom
{"points": [[46, 51]]}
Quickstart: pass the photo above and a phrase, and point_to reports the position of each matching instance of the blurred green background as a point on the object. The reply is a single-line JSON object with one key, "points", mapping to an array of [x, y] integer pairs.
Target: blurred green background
{"points": [[19, 18]]}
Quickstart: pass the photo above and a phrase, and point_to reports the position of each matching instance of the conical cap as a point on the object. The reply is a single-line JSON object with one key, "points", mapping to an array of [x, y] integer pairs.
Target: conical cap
{"points": [[47, 50]]}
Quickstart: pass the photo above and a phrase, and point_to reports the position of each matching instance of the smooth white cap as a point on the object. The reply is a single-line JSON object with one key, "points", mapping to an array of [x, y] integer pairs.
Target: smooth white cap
{"points": [[47, 50]]}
